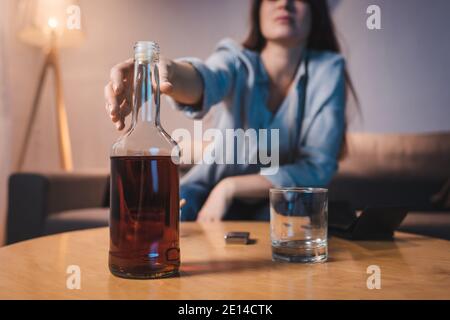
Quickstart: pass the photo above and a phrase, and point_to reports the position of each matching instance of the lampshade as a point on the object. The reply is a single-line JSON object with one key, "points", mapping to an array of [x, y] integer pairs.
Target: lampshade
{"points": [[39, 19]]}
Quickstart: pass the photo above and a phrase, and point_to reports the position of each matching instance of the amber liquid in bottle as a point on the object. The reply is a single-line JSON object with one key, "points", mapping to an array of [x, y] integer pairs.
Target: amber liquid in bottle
{"points": [[144, 217]]}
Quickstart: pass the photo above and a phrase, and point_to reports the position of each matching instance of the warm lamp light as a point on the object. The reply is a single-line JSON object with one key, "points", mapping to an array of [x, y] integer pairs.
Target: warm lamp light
{"points": [[51, 24], [41, 18]]}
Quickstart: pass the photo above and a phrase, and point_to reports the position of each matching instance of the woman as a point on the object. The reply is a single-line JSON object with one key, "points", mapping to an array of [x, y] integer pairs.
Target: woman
{"points": [[288, 75]]}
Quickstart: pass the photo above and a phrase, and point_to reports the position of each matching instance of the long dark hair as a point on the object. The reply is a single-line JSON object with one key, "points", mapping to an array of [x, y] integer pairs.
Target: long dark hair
{"points": [[322, 38]]}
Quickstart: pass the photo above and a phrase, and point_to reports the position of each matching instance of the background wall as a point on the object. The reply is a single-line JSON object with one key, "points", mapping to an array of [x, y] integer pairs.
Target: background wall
{"points": [[112, 27], [5, 118], [400, 72]]}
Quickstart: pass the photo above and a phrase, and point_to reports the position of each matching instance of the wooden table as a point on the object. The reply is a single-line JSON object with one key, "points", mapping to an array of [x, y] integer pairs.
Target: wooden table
{"points": [[412, 267]]}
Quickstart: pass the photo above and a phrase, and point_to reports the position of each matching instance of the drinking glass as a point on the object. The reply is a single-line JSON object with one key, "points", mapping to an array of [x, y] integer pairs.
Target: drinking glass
{"points": [[299, 223]]}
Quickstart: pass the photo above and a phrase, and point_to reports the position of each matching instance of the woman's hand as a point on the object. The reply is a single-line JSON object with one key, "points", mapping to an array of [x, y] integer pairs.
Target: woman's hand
{"points": [[247, 187], [118, 92], [218, 202]]}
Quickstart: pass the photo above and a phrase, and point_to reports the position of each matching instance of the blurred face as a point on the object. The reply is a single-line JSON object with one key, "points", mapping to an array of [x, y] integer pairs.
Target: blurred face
{"points": [[286, 21]]}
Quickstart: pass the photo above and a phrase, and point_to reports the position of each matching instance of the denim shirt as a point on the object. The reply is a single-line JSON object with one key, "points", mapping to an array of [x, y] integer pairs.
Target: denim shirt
{"points": [[311, 127]]}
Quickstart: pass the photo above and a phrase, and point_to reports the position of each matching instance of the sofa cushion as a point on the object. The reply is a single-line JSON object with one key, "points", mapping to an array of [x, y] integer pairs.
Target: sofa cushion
{"points": [[428, 224], [76, 220], [410, 170], [418, 155]]}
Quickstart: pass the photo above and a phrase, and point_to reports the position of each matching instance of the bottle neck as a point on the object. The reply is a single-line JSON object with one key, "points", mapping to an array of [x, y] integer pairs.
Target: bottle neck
{"points": [[146, 98]]}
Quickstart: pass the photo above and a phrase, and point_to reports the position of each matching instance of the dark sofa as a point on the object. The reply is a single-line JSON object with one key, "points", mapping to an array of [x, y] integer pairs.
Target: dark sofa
{"points": [[401, 170]]}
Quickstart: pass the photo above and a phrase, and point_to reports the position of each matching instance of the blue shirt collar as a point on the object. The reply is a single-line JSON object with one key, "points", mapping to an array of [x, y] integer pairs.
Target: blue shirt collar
{"points": [[263, 77]]}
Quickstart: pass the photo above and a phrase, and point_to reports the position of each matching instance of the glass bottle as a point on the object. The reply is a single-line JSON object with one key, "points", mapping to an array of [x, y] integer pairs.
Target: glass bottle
{"points": [[144, 217]]}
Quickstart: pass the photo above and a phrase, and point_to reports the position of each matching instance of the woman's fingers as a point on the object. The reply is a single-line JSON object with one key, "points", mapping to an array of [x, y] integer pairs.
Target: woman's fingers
{"points": [[165, 83], [205, 216], [117, 112], [117, 92], [121, 122], [111, 102], [207, 220], [166, 88], [125, 108], [119, 74]]}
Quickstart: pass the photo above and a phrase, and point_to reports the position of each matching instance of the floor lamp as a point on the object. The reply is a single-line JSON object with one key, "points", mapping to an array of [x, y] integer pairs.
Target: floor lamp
{"points": [[45, 28]]}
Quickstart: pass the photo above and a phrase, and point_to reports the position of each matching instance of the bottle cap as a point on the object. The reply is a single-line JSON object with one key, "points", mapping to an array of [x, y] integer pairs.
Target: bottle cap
{"points": [[146, 51]]}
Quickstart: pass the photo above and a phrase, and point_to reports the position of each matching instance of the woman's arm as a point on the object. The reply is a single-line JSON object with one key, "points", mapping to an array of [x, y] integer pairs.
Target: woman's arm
{"points": [[217, 75], [251, 186], [192, 85], [179, 80], [187, 84]]}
